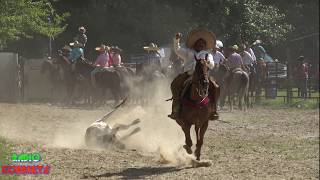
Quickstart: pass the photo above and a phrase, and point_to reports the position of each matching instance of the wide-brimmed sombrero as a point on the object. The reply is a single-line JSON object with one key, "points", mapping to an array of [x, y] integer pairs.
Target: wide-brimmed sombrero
{"points": [[300, 58], [204, 34], [115, 49], [151, 47], [102, 47], [75, 44]]}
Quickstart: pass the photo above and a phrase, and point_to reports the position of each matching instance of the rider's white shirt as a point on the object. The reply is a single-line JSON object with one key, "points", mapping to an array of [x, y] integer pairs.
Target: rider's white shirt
{"points": [[217, 57], [247, 58], [188, 55]]}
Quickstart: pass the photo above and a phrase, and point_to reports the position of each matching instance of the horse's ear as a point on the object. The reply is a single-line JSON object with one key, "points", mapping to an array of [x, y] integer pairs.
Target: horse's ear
{"points": [[206, 58]]}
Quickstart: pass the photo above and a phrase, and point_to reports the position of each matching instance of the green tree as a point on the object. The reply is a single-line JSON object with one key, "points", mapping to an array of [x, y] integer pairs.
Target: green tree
{"points": [[24, 18]]}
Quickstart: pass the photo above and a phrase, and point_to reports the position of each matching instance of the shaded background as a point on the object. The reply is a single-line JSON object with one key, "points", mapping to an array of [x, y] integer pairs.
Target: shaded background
{"points": [[133, 24]]}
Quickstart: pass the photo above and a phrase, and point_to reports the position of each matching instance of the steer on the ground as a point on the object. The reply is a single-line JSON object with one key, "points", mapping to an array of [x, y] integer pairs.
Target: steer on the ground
{"points": [[100, 134]]}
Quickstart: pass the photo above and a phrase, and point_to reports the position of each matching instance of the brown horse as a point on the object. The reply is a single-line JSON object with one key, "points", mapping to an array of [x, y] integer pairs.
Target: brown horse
{"points": [[195, 108], [234, 82]]}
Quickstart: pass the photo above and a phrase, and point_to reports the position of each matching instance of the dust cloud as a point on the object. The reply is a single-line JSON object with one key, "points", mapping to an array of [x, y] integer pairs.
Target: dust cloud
{"points": [[160, 136]]}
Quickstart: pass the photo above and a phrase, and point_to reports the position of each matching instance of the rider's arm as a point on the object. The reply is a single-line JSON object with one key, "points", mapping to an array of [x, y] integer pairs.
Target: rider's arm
{"points": [[210, 61], [181, 52]]}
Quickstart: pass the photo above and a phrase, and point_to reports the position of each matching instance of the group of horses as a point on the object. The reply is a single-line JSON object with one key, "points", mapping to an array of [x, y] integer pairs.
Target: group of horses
{"points": [[121, 82], [238, 82]]}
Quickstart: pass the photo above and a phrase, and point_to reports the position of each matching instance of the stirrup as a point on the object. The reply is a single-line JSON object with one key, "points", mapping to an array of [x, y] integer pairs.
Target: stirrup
{"points": [[174, 116], [214, 116]]}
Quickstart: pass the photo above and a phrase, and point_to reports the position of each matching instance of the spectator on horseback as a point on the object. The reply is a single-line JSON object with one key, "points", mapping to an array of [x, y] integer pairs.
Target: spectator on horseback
{"points": [[115, 55], [154, 57], [249, 50], [81, 37], [219, 46], [234, 60], [218, 57], [247, 59], [75, 54], [260, 52], [199, 42], [101, 62]]}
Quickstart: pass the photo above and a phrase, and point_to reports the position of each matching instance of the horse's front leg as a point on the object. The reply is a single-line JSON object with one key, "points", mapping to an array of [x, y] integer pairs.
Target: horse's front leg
{"points": [[203, 130], [186, 130]]}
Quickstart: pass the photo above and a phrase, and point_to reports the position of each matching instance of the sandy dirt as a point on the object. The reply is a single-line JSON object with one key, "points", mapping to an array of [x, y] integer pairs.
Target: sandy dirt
{"points": [[263, 143]]}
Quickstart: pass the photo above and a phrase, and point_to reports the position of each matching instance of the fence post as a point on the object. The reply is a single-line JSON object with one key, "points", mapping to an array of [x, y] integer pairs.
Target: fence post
{"points": [[289, 90]]}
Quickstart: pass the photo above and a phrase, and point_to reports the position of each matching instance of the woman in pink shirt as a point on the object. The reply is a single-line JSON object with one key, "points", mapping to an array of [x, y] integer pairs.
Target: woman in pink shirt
{"points": [[116, 58], [101, 62]]}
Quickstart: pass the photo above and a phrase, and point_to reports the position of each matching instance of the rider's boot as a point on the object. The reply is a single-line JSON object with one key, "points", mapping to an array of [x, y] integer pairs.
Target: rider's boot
{"points": [[175, 114], [214, 113]]}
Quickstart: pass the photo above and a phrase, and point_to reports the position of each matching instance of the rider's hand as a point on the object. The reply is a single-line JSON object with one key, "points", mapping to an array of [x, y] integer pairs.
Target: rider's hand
{"points": [[178, 36]]}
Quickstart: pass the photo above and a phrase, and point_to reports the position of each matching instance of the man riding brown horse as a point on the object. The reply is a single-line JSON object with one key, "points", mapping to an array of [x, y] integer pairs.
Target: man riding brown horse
{"points": [[194, 89], [199, 41]]}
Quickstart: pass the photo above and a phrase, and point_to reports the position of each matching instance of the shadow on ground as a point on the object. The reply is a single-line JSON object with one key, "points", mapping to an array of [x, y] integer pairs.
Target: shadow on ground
{"points": [[136, 173]]}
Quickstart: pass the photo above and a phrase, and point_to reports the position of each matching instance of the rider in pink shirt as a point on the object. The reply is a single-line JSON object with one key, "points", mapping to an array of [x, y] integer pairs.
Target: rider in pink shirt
{"points": [[115, 52], [101, 62]]}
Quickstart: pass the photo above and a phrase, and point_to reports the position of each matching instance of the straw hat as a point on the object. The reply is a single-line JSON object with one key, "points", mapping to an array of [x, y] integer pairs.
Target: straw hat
{"points": [[151, 47], [75, 44], [204, 34], [102, 47], [300, 58], [115, 49]]}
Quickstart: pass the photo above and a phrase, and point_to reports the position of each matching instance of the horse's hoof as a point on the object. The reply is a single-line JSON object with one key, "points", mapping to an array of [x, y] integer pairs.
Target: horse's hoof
{"points": [[188, 149]]}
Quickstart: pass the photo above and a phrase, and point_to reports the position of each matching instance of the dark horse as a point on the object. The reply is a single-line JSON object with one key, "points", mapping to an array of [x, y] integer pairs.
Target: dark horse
{"points": [[196, 107], [108, 79], [60, 74]]}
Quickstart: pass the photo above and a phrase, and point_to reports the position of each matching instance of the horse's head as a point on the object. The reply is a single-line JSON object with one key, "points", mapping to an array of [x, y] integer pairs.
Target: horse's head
{"points": [[200, 79]]}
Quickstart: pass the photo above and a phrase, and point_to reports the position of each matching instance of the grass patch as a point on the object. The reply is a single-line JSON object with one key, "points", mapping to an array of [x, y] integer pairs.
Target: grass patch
{"points": [[289, 149], [296, 103], [5, 152]]}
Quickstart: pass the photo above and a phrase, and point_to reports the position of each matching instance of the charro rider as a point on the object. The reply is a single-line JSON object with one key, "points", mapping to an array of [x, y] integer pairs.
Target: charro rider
{"points": [[154, 57], [81, 37], [101, 62], [199, 42]]}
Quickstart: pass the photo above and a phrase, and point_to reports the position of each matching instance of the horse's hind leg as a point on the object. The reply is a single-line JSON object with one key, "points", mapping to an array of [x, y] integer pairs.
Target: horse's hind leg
{"points": [[203, 130]]}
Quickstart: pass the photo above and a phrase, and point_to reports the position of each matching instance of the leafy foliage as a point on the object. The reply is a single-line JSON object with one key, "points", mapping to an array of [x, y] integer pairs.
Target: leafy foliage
{"points": [[23, 18]]}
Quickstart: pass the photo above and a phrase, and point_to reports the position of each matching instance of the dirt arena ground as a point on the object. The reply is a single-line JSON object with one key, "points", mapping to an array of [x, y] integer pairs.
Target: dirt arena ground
{"points": [[262, 143]]}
